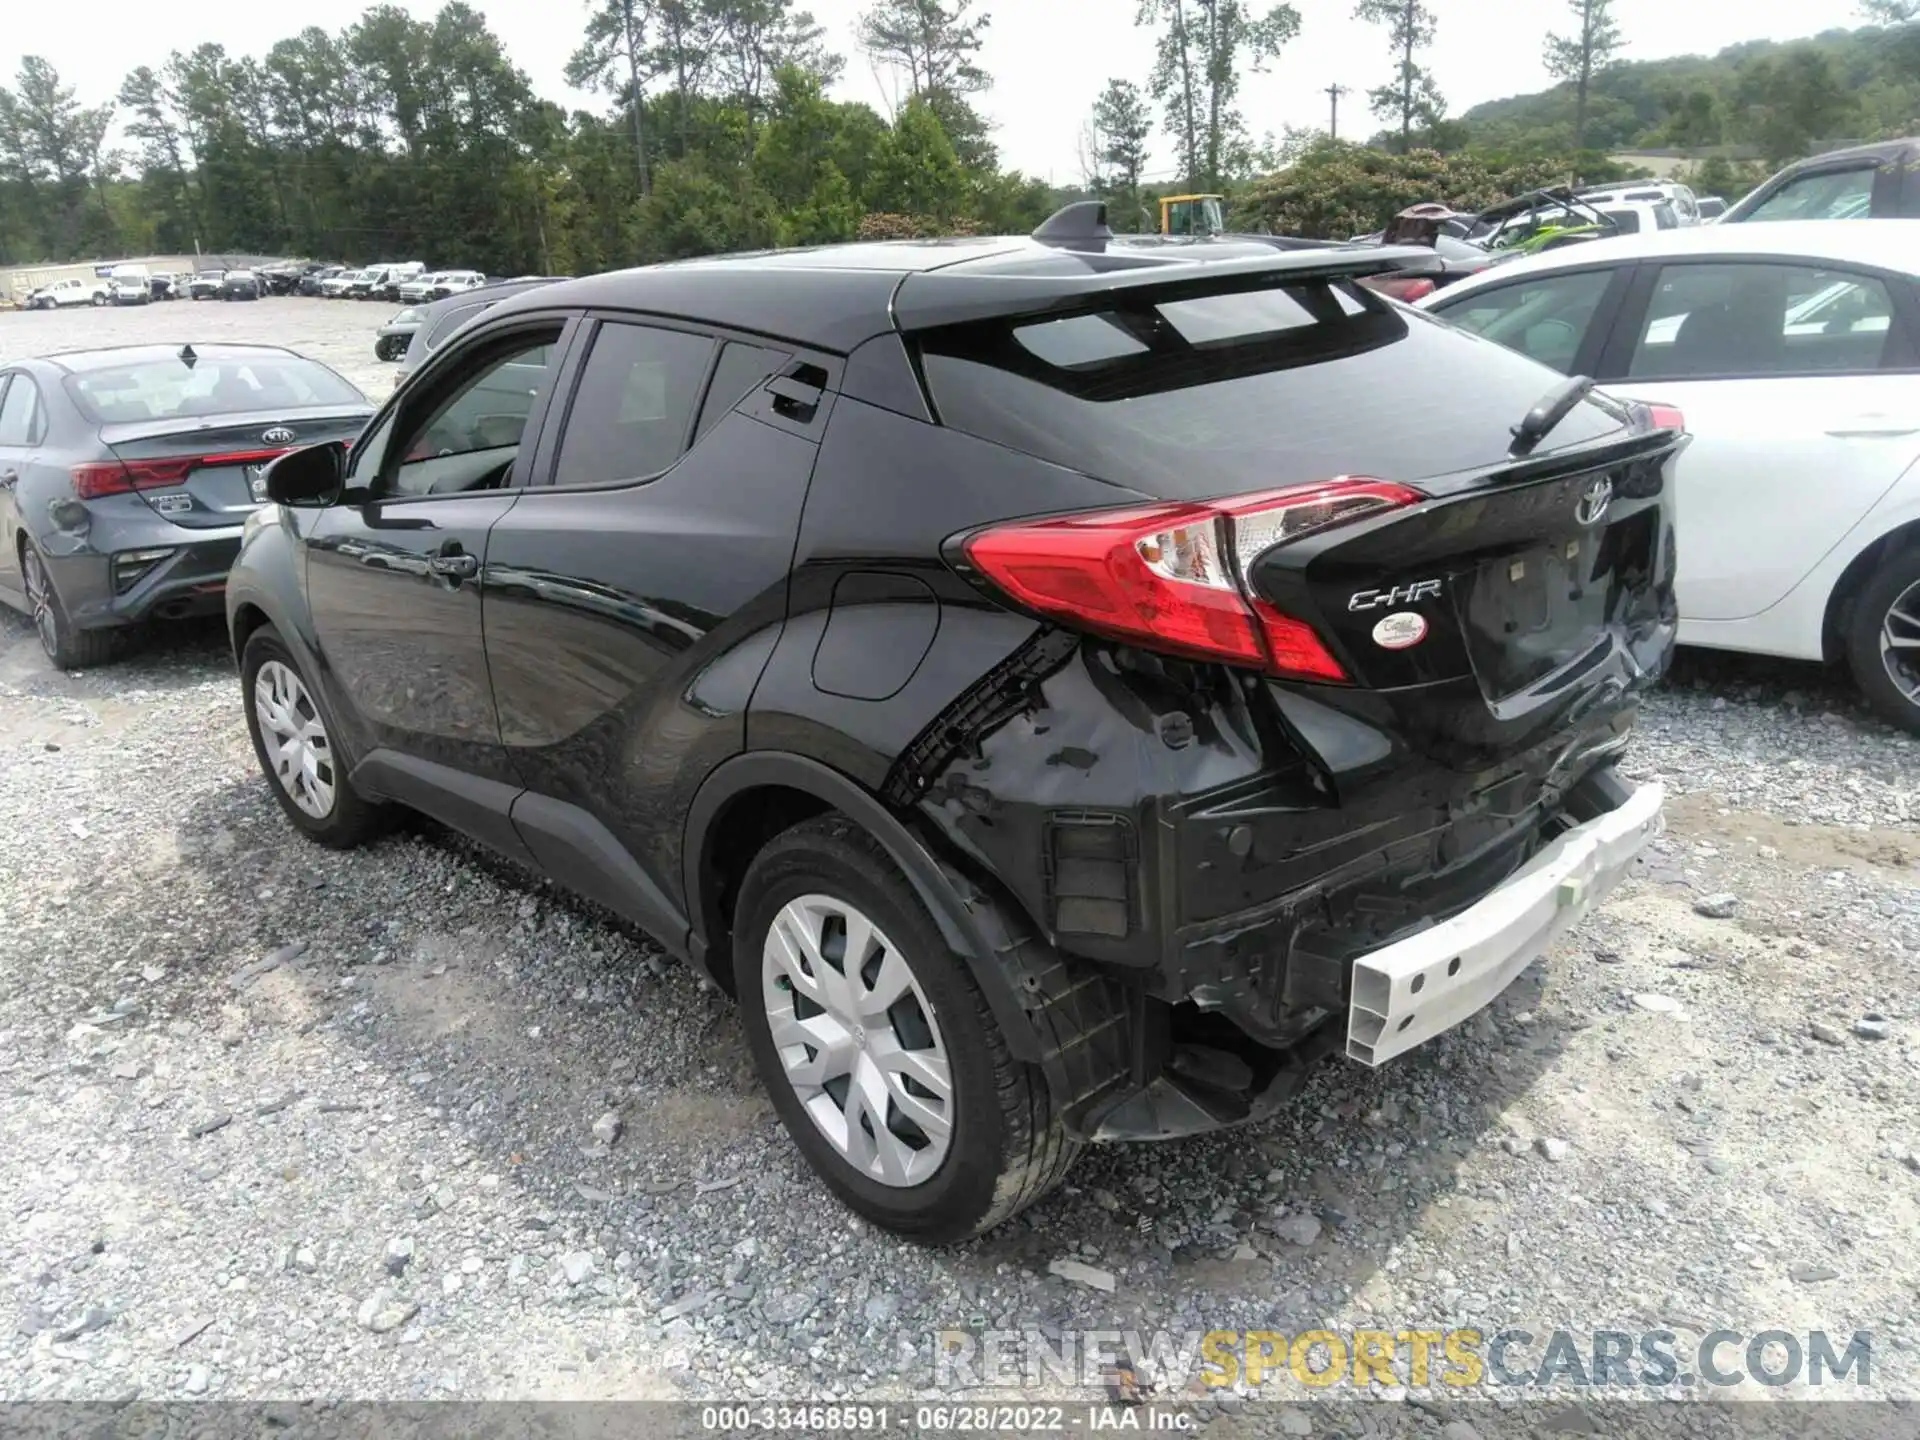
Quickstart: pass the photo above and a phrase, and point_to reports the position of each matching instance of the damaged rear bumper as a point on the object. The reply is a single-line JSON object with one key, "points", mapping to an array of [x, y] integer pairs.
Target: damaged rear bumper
{"points": [[1406, 993], [1398, 995]]}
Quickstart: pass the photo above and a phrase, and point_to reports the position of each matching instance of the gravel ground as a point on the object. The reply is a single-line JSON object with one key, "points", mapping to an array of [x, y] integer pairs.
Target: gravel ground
{"points": [[279, 1122]]}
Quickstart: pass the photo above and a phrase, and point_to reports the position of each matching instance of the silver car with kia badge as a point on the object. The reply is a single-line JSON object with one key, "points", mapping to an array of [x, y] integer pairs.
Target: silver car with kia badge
{"points": [[126, 475]]}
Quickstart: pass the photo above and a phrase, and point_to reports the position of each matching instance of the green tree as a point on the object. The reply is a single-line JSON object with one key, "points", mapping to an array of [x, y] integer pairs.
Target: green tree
{"points": [[917, 172], [935, 45], [1580, 55], [152, 122], [1411, 98], [1200, 50], [1121, 126], [1791, 101], [611, 58]]}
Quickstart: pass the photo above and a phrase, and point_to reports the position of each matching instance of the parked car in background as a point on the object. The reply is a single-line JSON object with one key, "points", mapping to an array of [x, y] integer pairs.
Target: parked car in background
{"points": [[163, 286], [438, 285], [1867, 182], [391, 339], [396, 276], [1684, 203], [1793, 350], [434, 324], [1082, 763], [1712, 207], [311, 282], [128, 473], [364, 284], [339, 285], [1636, 217], [240, 285], [62, 294], [130, 285], [206, 284]]}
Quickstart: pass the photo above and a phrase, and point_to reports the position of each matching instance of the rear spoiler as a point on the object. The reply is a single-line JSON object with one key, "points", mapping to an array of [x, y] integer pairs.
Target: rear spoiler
{"points": [[933, 298]]}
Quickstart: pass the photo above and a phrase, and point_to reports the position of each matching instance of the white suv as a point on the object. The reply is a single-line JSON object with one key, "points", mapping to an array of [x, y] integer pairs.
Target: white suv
{"points": [[1686, 205], [62, 293]]}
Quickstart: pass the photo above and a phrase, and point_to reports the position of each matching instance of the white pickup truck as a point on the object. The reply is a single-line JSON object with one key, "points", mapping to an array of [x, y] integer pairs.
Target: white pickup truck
{"points": [[62, 293]]}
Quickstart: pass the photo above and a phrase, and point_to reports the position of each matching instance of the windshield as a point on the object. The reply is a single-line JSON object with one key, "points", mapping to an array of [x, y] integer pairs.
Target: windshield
{"points": [[162, 389]]}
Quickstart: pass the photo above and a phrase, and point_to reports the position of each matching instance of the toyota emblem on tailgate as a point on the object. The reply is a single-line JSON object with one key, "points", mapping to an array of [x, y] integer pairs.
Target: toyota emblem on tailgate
{"points": [[278, 435], [1594, 501]]}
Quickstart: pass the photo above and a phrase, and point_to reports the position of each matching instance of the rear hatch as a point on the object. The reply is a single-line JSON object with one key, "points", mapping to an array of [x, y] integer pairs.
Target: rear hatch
{"points": [[208, 473], [1339, 506]]}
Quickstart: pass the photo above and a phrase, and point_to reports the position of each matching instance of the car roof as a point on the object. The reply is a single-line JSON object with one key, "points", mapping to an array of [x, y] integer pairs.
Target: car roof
{"points": [[855, 292], [1883, 244], [77, 361], [1876, 150]]}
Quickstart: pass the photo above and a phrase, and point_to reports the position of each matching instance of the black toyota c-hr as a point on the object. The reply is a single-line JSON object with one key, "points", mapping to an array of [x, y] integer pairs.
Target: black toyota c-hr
{"points": [[1061, 687]]}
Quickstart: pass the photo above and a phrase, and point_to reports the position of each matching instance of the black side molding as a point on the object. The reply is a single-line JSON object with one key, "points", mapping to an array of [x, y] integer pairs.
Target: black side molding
{"points": [[553, 836], [467, 803], [581, 853]]}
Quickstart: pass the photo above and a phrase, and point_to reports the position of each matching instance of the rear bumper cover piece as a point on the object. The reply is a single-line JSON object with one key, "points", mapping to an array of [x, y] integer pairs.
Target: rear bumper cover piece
{"points": [[1406, 993]]}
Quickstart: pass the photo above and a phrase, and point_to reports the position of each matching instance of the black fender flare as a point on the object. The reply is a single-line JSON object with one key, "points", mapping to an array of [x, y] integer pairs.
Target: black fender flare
{"points": [[968, 922]]}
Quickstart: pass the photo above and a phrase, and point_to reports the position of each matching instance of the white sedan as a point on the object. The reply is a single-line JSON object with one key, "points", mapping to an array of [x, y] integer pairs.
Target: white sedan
{"points": [[1793, 350]]}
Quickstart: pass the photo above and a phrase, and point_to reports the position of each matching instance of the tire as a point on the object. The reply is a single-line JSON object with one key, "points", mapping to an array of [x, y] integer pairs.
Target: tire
{"points": [[1003, 1148], [315, 793], [67, 647], [1885, 613]]}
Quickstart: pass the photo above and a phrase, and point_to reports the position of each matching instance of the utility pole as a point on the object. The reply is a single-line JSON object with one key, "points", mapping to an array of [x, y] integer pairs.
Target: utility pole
{"points": [[1334, 92]]}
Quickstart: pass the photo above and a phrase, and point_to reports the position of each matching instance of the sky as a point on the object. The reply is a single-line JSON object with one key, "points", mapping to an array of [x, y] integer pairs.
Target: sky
{"points": [[1049, 58]]}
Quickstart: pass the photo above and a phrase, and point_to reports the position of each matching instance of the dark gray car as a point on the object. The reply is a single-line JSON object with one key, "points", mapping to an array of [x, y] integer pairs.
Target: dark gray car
{"points": [[428, 326], [126, 475]]}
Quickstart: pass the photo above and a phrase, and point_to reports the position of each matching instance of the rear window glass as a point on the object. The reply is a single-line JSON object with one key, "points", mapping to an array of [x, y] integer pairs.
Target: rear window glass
{"points": [[1627, 222], [1240, 391], [163, 389]]}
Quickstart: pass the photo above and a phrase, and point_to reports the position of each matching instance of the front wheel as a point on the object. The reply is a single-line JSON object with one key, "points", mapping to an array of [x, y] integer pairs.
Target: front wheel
{"points": [[296, 749], [1883, 640], [879, 1050]]}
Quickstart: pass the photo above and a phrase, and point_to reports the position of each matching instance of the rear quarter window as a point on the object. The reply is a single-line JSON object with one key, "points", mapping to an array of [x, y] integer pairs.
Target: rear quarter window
{"points": [[1240, 391]]}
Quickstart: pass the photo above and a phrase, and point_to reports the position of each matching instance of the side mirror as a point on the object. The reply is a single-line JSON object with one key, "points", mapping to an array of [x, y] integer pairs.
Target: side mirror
{"points": [[310, 478]]}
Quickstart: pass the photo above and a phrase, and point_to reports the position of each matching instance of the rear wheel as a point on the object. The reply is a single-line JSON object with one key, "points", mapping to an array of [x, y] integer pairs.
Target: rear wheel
{"points": [[1883, 640], [67, 647], [878, 1048], [296, 749]]}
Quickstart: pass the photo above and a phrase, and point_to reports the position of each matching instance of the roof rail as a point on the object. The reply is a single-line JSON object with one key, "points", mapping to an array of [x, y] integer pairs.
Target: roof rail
{"points": [[1082, 222]]}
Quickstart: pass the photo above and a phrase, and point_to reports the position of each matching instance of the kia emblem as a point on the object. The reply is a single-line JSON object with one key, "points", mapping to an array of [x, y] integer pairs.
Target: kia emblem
{"points": [[278, 435], [1594, 501]]}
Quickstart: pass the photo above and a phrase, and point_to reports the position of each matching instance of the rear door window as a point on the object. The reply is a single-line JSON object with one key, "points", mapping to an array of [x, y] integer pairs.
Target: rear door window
{"points": [[742, 370], [1730, 320], [1223, 394], [19, 411], [633, 410], [1546, 318]]}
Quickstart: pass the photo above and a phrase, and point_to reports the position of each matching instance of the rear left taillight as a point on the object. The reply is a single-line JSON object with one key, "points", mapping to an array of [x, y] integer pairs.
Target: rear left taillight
{"points": [[115, 477], [1172, 578]]}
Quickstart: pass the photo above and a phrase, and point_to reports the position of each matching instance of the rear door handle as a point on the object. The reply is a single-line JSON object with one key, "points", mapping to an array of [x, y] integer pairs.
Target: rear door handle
{"points": [[457, 566]]}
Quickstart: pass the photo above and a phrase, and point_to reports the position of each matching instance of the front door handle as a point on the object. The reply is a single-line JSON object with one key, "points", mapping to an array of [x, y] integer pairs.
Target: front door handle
{"points": [[8, 477], [456, 566]]}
